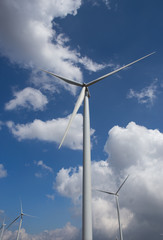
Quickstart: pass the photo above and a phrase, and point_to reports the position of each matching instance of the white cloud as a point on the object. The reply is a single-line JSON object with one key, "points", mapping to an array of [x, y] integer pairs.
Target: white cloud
{"points": [[66, 178], [51, 131], [50, 196], [98, 2], [92, 66], [139, 151], [44, 169], [69, 184], [147, 95], [27, 98], [44, 166], [107, 2], [105, 219], [38, 175], [3, 171], [133, 150], [1, 211], [137, 146], [68, 232], [29, 37]]}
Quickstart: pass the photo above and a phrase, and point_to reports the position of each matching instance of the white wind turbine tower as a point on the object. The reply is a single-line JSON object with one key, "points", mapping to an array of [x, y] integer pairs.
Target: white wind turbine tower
{"points": [[2, 228], [84, 95], [117, 204], [21, 220]]}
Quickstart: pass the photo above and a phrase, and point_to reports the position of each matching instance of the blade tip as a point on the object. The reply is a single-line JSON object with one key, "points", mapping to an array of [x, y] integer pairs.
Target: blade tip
{"points": [[60, 145], [153, 53]]}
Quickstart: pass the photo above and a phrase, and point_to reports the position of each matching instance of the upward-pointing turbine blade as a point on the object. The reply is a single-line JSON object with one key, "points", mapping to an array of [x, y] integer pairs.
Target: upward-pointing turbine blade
{"points": [[13, 221], [78, 104], [122, 185], [64, 79], [117, 70], [21, 207], [107, 192]]}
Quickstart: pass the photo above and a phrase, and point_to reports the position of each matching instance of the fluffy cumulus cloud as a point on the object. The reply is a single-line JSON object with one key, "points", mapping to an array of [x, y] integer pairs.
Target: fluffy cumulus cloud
{"points": [[51, 131], [27, 98], [147, 95], [29, 37], [69, 183], [134, 146], [3, 171], [67, 178], [68, 232], [139, 151], [133, 150]]}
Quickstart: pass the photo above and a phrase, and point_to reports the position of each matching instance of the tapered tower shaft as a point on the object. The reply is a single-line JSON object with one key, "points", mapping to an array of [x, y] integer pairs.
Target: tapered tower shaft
{"points": [[119, 221], [20, 224], [87, 199]]}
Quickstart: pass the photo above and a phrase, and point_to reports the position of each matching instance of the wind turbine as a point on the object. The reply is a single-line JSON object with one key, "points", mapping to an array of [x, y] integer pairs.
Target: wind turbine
{"points": [[84, 95], [2, 228], [21, 220], [117, 204]]}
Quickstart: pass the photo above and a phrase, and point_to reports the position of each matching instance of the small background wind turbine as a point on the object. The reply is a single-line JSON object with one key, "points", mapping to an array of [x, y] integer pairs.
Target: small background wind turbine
{"points": [[2, 228], [84, 95], [21, 220], [117, 204]]}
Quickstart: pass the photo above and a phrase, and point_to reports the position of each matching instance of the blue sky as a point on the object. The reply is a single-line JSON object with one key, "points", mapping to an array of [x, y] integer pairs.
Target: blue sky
{"points": [[81, 41]]}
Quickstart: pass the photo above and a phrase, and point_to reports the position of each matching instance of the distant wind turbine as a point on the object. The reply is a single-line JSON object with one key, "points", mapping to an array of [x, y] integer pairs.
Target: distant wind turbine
{"points": [[84, 95], [117, 204], [2, 228], [21, 220]]}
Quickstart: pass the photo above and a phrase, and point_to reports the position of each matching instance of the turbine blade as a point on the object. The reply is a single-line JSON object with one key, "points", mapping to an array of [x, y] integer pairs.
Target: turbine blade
{"points": [[21, 207], [64, 79], [122, 185], [13, 221], [24, 214], [76, 108], [117, 70], [106, 192]]}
